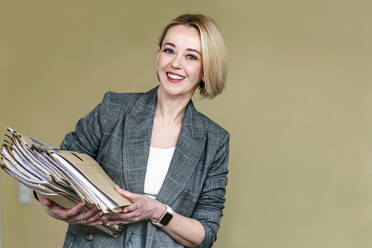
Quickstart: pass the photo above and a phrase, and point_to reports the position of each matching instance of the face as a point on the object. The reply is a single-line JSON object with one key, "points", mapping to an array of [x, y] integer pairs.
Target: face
{"points": [[179, 61]]}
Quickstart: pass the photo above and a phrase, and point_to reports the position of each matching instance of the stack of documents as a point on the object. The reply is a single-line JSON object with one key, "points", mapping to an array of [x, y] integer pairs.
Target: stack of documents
{"points": [[65, 177]]}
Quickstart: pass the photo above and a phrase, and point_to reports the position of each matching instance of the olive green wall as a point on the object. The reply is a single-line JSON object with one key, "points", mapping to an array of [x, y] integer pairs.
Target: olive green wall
{"points": [[298, 105]]}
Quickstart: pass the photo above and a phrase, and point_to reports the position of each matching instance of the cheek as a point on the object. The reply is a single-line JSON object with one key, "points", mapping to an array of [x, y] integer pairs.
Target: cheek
{"points": [[158, 64], [161, 62], [196, 71]]}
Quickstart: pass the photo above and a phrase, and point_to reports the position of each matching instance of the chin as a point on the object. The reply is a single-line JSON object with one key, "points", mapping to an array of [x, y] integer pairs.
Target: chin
{"points": [[174, 89]]}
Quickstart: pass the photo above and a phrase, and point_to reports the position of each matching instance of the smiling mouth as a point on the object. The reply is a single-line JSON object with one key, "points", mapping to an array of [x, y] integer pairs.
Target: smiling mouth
{"points": [[174, 77]]}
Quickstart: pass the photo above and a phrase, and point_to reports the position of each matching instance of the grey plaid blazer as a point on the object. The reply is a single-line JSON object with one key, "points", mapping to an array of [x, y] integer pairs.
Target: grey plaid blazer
{"points": [[117, 134]]}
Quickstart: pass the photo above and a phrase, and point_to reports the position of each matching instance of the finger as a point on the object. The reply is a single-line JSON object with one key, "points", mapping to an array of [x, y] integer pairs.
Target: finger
{"points": [[46, 201], [56, 208], [95, 218], [85, 215], [74, 210], [129, 195], [130, 208], [122, 217], [88, 223], [95, 223], [110, 217], [90, 213]]}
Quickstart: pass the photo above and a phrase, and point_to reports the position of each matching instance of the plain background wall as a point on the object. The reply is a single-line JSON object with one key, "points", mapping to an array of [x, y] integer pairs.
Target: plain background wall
{"points": [[298, 105]]}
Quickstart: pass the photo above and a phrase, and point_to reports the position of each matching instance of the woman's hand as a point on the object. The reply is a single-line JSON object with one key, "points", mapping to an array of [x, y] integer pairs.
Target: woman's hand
{"points": [[186, 231], [73, 215], [143, 207]]}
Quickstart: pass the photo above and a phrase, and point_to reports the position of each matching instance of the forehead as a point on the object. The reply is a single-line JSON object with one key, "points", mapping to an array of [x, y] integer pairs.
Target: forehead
{"points": [[183, 36]]}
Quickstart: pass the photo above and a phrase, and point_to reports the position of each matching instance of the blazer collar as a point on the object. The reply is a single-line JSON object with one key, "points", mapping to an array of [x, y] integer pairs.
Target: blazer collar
{"points": [[145, 106]]}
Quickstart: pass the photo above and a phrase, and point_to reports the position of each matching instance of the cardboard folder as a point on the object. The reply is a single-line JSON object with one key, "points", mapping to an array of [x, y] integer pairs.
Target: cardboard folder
{"points": [[64, 177]]}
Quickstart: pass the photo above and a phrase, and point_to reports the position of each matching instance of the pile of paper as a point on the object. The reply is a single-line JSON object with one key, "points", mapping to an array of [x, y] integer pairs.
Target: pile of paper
{"points": [[65, 177]]}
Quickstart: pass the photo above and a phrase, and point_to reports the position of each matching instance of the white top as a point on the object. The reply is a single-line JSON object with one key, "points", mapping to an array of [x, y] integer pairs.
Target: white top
{"points": [[157, 168]]}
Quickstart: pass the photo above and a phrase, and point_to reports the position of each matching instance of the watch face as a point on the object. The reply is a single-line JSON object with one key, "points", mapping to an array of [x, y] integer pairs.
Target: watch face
{"points": [[166, 218]]}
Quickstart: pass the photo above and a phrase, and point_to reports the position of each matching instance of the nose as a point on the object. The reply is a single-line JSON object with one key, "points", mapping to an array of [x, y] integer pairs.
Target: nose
{"points": [[177, 61]]}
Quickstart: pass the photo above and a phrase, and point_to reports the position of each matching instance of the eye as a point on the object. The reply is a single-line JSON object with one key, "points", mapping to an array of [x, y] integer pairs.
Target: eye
{"points": [[192, 57], [168, 50]]}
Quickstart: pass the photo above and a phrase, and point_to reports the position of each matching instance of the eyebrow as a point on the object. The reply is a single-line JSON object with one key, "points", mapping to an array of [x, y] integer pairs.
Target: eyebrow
{"points": [[188, 49]]}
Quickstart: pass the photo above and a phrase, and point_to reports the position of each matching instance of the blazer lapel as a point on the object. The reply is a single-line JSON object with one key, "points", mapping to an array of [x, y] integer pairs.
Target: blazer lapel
{"points": [[189, 148], [136, 141]]}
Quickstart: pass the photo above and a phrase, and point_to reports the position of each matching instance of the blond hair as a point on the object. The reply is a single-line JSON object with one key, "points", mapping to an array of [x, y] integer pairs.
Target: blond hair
{"points": [[213, 48]]}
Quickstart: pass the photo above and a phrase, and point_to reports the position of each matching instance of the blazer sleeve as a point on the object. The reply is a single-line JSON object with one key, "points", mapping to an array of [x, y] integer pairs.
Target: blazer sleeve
{"points": [[89, 130], [211, 201]]}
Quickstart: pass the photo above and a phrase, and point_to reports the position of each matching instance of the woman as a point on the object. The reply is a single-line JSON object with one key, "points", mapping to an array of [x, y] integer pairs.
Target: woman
{"points": [[170, 159]]}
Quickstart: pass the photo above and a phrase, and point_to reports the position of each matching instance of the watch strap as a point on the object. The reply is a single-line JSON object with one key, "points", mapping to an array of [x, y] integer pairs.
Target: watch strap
{"points": [[165, 218]]}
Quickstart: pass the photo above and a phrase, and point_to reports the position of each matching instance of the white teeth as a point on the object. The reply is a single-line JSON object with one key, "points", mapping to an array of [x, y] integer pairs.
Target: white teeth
{"points": [[172, 76]]}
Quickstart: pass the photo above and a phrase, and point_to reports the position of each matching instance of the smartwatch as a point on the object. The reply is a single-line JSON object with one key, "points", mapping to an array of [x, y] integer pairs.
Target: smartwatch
{"points": [[165, 218]]}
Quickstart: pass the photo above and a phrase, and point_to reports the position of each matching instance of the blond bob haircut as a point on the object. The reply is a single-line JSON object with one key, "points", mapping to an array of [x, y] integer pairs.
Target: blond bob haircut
{"points": [[214, 55]]}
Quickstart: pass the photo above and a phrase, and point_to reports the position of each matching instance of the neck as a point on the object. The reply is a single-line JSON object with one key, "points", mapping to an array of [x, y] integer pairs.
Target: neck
{"points": [[170, 109]]}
